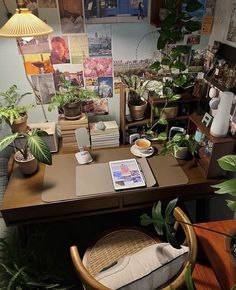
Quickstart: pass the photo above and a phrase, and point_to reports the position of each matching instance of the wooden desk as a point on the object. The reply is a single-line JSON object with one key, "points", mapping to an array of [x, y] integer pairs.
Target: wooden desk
{"points": [[213, 246], [22, 202]]}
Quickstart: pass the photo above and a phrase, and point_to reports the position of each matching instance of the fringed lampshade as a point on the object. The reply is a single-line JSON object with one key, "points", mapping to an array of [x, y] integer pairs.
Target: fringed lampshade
{"points": [[23, 24]]}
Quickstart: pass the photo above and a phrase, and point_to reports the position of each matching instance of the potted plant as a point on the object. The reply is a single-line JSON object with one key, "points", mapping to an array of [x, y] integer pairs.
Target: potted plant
{"points": [[138, 90], [181, 146], [11, 110], [69, 98], [30, 148]]}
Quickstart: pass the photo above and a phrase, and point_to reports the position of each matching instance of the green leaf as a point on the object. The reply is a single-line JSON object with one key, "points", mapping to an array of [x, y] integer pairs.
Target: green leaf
{"points": [[182, 49], [166, 61], [228, 162], [231, 204], [156, 65], [169, 21], [185, 16], [39, 149], [228, 186], [162, 136], [145, 220], [162, 121], [170, 207], [171, 237], [158, 218], [193, 6], [192, 26], [178, 65], [174, 98], [181, 80], [162, 41], [7, 140]]}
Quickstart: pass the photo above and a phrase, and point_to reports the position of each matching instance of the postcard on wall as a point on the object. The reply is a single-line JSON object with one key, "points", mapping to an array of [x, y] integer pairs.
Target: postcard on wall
{"points": [[71, 16], [33, 45], [38, 63], [44, 86], [105, 87], [73, 72], [95, 107], [47, 3], [99, 37], [197, 59], [97, 67], [59, 49], [32, 5], [114, 11], [78, 48]]}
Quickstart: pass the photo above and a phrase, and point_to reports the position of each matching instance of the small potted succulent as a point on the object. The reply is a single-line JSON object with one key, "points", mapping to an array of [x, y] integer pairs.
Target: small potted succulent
{"points": [[11, 110], [69, 98], [30, 148], [138, 93]]}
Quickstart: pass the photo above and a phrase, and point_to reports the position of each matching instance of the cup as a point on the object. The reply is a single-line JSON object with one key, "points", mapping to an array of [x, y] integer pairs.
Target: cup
{"points": [[143, 145]]}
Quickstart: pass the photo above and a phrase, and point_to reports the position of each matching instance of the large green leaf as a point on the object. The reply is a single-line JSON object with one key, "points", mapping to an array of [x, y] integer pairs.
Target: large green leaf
{"points": [[228, 186], [39, 149], [156, 65], [170, 4], [231, 204], [228, 162], [7, 140], [192, 26], [181, 80], [169, 21], [166, 61], [178, 65], [182, 49], [170, 207], [162, 41]]}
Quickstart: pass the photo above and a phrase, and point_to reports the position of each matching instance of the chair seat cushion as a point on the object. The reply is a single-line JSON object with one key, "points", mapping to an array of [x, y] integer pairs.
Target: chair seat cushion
{"points": [[147, 269]]}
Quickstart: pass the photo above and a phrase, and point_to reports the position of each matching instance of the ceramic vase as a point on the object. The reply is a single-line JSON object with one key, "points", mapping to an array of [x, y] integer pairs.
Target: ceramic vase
{"points": [[220, 124]]}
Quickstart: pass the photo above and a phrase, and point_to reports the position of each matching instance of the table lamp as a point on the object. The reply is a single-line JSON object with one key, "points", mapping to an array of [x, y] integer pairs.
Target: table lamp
{"points": [[25, 24]]}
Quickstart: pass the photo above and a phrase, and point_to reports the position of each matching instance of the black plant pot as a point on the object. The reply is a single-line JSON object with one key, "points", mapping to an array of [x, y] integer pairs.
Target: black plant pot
{"points": [[72, 111]]}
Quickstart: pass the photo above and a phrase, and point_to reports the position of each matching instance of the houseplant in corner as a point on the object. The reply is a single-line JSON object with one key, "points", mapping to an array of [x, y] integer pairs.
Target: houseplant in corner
{"points": [[138, 90], [69, 98], [11, 110], [30, 148]]}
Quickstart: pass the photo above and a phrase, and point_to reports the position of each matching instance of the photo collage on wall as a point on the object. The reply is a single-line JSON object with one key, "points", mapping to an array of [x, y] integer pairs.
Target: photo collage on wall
{"points": [[83, 58]]}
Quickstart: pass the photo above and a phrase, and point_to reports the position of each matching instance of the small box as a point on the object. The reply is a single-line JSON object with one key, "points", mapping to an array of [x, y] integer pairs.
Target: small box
{"points": [[52, 139]]}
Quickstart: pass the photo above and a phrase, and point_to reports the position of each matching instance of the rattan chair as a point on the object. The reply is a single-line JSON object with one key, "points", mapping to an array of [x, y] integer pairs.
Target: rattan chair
{"points": [[119, 243]]}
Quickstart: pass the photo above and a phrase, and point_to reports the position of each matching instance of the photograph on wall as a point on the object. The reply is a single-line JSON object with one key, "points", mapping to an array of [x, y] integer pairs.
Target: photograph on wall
{"points": [[97, 67], [44, 86], [101, 107], [210, 7], [231, 35], [99, 37], [78, 48], [59, 49], [47, 3], [32, 5], [197, 60], [131, 66], [105, 87], [38, 63], [193, 39], [91, 82], [72, 72], [114, 11], [71, 16], [32, 45]]}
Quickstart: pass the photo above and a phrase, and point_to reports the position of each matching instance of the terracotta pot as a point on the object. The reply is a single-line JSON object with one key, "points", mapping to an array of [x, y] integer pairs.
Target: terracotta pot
{"points": [[72, 111], [28, 166], [20, 124], [137, 112]]}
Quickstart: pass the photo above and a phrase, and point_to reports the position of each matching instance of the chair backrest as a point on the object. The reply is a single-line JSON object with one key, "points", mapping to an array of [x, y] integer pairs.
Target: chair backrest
{"points": [[91, 283]]}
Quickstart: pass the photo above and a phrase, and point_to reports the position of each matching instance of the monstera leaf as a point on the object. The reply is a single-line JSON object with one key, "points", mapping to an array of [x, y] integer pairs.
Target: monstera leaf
{"points": [[163, 223]]}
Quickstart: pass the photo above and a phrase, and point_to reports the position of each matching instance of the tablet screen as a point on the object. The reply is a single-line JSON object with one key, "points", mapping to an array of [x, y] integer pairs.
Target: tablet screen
{"points": [[126, 174]]}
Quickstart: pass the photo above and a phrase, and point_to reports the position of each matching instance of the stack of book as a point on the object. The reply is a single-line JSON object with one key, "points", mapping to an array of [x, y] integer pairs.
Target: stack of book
{"points": [[108, 137], [67, 131]]}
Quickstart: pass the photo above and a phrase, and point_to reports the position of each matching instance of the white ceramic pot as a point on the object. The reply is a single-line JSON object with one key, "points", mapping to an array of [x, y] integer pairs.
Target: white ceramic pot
{"points": [[220, 124], [28, 166]]}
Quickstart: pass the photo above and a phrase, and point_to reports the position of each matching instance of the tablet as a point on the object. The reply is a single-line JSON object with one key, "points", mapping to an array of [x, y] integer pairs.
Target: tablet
{"points": [[126, 174]]}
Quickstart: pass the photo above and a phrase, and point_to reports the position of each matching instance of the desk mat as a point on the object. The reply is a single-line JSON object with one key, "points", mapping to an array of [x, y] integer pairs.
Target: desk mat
{"points": [[65, 175]]}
